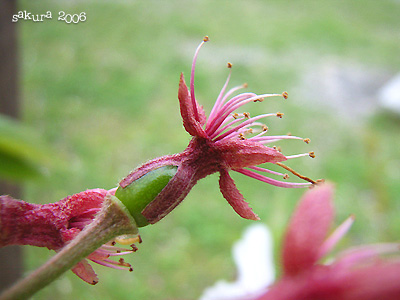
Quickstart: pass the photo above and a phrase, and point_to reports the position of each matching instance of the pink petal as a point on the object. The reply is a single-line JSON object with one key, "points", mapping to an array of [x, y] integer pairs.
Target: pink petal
{"points": [[308, 229], [379, 281], [172, 194], [192, 125], [238, 154], [234, 197], [85, 272]]}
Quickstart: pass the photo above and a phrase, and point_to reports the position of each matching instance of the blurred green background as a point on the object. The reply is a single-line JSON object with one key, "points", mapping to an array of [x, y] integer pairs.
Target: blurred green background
{"points": [[103, 95]]}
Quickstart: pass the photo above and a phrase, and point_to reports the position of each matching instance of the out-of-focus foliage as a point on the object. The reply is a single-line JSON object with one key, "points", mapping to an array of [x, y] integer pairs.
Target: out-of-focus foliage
{"points": [[23, 154]]}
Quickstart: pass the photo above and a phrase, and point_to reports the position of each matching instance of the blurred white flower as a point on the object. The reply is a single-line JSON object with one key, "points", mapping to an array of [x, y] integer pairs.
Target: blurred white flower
{"points": [[253, 256]]}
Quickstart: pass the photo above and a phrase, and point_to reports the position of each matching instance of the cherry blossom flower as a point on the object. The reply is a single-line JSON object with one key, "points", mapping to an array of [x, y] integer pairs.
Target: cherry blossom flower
{"points": [[220, 143], [54, 225], [358, 273]]}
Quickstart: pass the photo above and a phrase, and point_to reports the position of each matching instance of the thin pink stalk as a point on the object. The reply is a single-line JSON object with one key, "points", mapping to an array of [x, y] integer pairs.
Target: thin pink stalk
{"points": [[220, 98], [228, 133], [110, 265], [266, 170], [194, 103], [271, 181], [268, 139], [223, 113]]}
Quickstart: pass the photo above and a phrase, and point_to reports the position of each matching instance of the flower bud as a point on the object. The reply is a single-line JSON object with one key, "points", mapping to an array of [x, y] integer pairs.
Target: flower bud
{"points": [[137, 195]]}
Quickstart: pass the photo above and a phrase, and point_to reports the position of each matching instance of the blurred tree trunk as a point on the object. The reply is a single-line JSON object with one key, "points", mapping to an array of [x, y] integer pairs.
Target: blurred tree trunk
{"points": [[11, 256]]}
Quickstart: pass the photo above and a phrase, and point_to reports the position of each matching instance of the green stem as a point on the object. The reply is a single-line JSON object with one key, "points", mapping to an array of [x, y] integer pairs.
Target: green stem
{"points": [[113, 220]]}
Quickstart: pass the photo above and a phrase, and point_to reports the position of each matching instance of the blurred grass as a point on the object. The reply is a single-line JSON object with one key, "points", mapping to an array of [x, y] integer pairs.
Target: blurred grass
{"points": [[103, 94]]}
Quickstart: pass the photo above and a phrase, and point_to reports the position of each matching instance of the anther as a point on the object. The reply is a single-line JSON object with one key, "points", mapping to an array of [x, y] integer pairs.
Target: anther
{"points": [[124, 240], [264, 128], [123, 263], [311, 154], [249, 131], [246, 115], [259, 100], [235, 115], [285, 176], [306, 140], [130, 270], [113, 243], [134, 248], [229, 65], [279, 149], [245, 85], [206, 38], [289, 134], [285, 95], [241, 136], [279, 115]]}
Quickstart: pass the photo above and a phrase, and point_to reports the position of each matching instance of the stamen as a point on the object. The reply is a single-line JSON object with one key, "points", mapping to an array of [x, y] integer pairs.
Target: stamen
{"points": [[220, 100], [306, 140], [285, 95], [285, 176], [229, 65], [267, 171], [259, 100], [274, 138], [110, 264], [311, 154], [279, 115], [218, 109], [196, 113], [295, 173], [235, 129], [246, 115], [230, 106], [270, 180]]}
